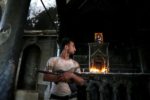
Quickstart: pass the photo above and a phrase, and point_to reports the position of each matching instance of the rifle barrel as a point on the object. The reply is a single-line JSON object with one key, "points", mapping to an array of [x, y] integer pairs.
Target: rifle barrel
{"points": [[47, 72]]}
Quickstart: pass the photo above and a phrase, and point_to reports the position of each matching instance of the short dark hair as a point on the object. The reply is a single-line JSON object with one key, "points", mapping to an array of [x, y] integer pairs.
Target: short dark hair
{"points": [[64, 42]]}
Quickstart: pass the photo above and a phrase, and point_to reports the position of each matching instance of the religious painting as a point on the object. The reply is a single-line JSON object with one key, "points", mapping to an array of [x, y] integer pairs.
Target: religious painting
{"points": [[98, 37]]}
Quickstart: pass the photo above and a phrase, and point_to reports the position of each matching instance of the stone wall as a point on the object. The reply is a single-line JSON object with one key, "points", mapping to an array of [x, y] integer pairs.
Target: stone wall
{"points": [[114, 86], [13, 15], [46, 45]]}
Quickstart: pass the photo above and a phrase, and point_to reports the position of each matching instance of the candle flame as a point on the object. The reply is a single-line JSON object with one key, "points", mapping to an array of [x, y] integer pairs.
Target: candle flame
{"points": [[95, 69]]}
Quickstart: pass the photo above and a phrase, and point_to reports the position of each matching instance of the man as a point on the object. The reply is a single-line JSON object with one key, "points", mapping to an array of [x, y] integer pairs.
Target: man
{"points": [[60, 89]]}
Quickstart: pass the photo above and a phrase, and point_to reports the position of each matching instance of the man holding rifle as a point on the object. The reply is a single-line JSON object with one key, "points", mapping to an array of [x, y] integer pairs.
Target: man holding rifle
{"points": [[61, 90]]}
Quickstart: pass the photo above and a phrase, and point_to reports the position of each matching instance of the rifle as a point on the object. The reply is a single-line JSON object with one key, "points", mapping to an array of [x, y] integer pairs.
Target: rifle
{"points": [[72, 85], [86, 76], [53, 73], [59, 72]]}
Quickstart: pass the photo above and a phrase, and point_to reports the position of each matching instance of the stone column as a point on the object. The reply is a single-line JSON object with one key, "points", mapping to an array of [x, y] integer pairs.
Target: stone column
{"points": [[101, 95], [11, 31], [88, 90], [114, 93], [88, 95], [101, 92], [129, 92]]}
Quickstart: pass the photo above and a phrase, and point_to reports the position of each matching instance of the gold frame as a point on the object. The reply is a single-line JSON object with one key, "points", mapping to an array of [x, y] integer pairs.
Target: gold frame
{"points": [[98, 37]]}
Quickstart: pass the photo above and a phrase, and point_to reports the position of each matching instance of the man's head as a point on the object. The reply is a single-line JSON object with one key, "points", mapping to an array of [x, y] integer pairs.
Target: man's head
{"points": [[68, 45]]}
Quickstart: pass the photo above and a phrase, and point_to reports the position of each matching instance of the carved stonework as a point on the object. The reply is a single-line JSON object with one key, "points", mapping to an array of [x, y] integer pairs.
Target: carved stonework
{"points": [[98, 56], [5, 33], [3, 3]]}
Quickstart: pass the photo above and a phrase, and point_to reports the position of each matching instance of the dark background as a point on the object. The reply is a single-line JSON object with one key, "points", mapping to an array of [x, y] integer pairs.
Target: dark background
{"points": [[125, 26]]}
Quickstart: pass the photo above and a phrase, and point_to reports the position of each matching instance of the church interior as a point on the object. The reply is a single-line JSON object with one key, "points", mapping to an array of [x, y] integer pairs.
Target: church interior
{"points": [[111, 38]]}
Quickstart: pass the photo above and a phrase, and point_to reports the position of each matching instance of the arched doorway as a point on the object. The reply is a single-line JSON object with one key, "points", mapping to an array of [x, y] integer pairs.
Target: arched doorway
{"points": [[94, 92], [107, 92], [122, 92], [30, 62]]}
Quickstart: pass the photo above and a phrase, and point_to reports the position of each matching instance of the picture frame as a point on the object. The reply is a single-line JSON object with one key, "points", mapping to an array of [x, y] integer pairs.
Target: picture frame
{"points": [[98, 37]]}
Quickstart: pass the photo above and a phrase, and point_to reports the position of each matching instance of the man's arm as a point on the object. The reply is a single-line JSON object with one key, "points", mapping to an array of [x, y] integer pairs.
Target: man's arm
{"points": [[58, 76], [67, 76], [51, 78], [48, 74], [63, 77], [77, 79]]}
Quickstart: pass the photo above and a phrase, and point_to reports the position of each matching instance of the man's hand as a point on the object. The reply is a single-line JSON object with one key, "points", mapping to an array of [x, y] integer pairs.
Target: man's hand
{"points": [[70, 76], [66, 76]]}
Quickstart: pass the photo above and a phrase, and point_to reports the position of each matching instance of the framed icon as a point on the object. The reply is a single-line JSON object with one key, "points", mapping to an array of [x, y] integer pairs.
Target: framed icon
{"points": [[98, 37]]}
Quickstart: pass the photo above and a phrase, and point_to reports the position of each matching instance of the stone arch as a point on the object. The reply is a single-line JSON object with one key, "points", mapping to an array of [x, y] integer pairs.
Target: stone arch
{"points": [[140, 90], [121, 92], [93, 90], [30, 62], [107, 92]]}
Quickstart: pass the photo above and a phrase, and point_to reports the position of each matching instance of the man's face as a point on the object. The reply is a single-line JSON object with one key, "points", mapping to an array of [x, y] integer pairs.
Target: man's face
{"points": [[71, 48]]}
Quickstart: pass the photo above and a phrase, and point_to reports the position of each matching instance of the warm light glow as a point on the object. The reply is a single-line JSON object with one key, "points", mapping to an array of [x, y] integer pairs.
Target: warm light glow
{"points": [[104, 70], [94, 69]]}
